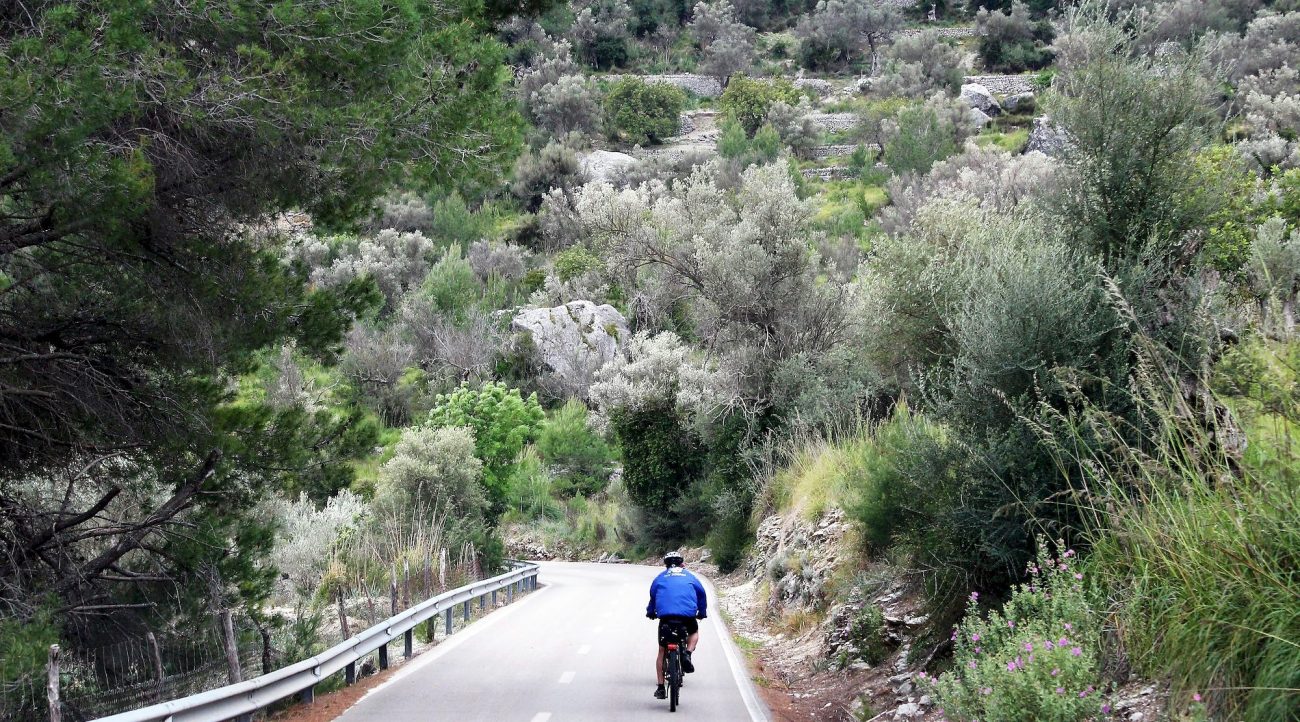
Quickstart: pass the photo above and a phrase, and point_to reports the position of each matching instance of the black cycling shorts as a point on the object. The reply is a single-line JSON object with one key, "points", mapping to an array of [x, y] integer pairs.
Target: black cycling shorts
{"points": [[691, 624]]}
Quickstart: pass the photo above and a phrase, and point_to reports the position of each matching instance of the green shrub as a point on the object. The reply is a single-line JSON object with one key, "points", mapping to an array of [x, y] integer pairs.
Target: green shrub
{"points": [[922, 140], [579, 459], [26, 646], [451, 286], [868, 634], [502, 422], [1036, 658], [746, 100], [1201, 547], [641, 112], [529, 493], [574, 261]]}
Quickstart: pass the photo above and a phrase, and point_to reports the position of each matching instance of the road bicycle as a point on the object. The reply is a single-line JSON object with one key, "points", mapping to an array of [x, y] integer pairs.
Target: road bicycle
{"points": [[672, 638]]}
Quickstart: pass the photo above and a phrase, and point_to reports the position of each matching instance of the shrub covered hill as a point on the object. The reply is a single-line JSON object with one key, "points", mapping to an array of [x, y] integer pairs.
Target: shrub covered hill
{"points": [[296, 304]]}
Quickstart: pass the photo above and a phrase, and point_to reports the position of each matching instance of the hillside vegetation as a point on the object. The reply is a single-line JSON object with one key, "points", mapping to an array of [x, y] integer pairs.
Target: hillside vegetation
{"points": [[297, 305]]}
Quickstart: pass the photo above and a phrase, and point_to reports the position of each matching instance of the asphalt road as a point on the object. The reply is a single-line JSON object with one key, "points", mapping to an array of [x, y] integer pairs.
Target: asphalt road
{"points": [[579, 648]]}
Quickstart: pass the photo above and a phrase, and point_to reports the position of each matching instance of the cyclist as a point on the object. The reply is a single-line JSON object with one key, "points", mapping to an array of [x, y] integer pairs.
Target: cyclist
{"points": [[676, 596]]}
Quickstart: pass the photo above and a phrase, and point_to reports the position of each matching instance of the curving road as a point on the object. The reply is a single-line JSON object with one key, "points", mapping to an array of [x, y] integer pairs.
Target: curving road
{"points": [[580, 648]]}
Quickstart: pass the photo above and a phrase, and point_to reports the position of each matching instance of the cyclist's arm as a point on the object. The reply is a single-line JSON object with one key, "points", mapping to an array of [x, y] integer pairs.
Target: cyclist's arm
{"points": [[701, 601], [650, 608]]}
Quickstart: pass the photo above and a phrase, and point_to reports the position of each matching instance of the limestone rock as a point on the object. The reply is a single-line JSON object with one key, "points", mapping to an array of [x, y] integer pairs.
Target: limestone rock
{"points": [[1019, 103], [1048, 138], [574, 340], [908, 711], [816, 85], [605, 165], [977, 96], [979, 119]]}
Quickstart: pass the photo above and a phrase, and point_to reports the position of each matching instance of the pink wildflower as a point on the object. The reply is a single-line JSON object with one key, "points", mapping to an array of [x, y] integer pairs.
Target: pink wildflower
{"points": [[977, 650], [1060, 690], [1048, 644], [1011, 624], [1083, 694], [1069, 627], [1056, 671], [1069, 553], [1076, 651], [975, 637], [1062, 642], [1105, 709], [986, 691], [1078, 575], [974, 596], [971, 664], [1011, 666], [1029, 646], [1196, 697]]}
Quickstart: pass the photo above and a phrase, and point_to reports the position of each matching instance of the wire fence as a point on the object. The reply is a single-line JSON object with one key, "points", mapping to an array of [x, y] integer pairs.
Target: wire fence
{"points": [[130, 674]]}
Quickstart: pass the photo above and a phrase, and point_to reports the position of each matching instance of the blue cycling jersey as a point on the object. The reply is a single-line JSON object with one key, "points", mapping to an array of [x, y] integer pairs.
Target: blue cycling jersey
{"points": [[677, 592]]}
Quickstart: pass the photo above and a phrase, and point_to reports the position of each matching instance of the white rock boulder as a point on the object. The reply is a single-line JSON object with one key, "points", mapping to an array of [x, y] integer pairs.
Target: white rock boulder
{"points": [[574, 340], [977, 96], [1048, 138], [604, 166]]}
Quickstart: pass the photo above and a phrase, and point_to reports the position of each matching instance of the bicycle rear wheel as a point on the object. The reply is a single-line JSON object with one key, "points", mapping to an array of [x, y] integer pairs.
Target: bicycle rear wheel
{"points": [[674, 679]]}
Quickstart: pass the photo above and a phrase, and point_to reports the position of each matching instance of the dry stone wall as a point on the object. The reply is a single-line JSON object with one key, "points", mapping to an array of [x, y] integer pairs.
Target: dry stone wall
{"points": [[701, 85], [1003, 84]]}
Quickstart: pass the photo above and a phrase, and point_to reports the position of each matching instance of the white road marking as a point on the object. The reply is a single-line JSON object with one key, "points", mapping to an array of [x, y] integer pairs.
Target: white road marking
{"points": [[541, 716], [567, 677], [597, 630], [584, 649]]}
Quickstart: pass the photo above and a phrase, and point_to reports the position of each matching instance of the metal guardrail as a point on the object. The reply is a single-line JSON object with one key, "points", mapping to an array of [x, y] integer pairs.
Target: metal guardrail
{"points": [[236, 700]]}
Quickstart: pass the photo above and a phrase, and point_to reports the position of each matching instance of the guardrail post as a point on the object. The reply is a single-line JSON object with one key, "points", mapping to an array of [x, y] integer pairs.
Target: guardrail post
{"points": [[52, 684], [465, 612], [510, 594], [448, 622], [308, 695], [383, 656], [482, 602], [350, 674], [408, 641]]}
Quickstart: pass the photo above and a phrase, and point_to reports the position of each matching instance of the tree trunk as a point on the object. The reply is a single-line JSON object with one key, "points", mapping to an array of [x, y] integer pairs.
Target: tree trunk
{"points": [[234, 672]]}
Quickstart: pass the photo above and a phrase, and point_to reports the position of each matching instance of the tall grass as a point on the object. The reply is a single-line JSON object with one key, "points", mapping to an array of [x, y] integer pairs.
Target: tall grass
{"points": [[1197, 544]]}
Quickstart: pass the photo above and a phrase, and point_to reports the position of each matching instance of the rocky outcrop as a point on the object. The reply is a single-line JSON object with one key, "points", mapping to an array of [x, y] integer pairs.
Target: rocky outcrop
{"points": [[959, 32], [1048, 138], [798, 556], [573, 340], [604, 166], [1019, 103], [978, 97]]}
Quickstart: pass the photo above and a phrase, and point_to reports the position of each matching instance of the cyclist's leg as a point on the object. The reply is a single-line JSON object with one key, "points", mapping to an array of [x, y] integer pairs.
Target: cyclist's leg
{"points": [[691, 641], [659, 666]]}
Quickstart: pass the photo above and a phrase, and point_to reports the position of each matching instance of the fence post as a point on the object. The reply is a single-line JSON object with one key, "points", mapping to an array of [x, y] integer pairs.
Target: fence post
{"points": [[52, 684], [406, 584], [157, 664], [343, 617], [392, 593]]}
